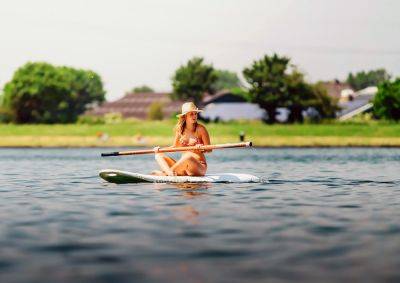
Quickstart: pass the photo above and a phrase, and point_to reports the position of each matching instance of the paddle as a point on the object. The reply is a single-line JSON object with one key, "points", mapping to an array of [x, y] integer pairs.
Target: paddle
{"points": [[183, 148]]}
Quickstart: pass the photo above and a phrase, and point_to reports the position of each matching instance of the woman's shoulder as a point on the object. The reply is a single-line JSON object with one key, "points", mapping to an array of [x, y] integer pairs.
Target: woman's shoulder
{"points": [[201, 127]]}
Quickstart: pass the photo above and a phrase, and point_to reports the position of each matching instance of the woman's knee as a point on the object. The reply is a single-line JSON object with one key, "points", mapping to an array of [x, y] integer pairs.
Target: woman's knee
{"points": [[158, 155], [188, 157]]}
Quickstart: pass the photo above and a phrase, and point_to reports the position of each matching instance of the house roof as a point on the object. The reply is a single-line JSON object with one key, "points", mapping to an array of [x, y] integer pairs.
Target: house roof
{"points": [[335, 88], [223, 96], [137, 105], [361, 102]]}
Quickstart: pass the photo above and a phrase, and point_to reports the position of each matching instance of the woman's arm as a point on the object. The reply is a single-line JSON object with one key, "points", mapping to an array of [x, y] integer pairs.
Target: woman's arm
{"points": [[175, 143], [176, 140], [204, 136]]}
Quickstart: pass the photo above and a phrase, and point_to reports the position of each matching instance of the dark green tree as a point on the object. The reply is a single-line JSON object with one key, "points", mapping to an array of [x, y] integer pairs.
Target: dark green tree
{"points": [[387, 101], [268, 83], [364, 79], [86, 87], [274, 83], [43, 93], [226, 80], [142, 89], [300, 96], [192, 80], [325, 105]]}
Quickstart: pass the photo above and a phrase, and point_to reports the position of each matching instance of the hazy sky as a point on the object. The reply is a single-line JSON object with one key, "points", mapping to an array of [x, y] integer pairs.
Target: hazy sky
{"points": [[130, 43]]}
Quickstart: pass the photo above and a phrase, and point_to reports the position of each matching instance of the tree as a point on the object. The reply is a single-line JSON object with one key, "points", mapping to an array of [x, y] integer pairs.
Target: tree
{"points": [[364, 79], [226, 80], [303, 96], [325, 105], [268, 84], [300, 96], [192, 80], [387, 100], [85, 87], [142, 89], [43, 93], [273, 84]]}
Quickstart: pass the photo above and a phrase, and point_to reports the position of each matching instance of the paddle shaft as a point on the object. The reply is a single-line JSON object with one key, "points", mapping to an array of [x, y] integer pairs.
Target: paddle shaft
{"points": [[182, 148]]}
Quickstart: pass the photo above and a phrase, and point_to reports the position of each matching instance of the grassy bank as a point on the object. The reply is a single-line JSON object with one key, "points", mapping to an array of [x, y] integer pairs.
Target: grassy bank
{"points": [[149, 133]]}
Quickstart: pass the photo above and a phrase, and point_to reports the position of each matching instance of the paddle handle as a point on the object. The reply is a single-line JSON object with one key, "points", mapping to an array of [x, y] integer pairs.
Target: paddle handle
{"points": [[182, 148]]}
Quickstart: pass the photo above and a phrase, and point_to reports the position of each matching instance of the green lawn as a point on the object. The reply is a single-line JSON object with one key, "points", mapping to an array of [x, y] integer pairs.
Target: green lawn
{"points": [[150, 128], [149, 133]]}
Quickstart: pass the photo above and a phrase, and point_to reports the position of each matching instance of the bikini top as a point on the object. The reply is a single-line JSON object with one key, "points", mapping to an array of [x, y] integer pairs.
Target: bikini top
{"points": [[192, 140]]}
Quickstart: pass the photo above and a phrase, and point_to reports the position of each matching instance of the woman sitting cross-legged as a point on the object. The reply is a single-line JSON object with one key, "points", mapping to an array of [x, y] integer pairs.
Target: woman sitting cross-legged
{"points": [[187, 133]]}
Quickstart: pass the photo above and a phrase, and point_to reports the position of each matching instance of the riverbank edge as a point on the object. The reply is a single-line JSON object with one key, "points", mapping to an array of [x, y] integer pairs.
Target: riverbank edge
{"points": [[129, 141]]}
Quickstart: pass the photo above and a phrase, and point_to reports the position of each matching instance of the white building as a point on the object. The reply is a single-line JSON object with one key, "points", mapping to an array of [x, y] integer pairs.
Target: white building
{"points": [[225, 106]]}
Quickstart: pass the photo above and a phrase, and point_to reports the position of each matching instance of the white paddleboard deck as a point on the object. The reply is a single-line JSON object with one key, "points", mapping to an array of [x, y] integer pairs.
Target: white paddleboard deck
{"points": [[124, 177]]}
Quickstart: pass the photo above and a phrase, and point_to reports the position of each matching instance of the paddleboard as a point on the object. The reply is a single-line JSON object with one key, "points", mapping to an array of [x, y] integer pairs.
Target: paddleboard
{"points": [[124, 177]]}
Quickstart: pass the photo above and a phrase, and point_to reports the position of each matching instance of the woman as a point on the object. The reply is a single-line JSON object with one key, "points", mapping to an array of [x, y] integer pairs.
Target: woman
{"points": [[187, 133]]}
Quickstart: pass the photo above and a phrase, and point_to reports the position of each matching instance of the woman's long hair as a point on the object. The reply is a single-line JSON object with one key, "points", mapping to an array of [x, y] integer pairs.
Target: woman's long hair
{"points": [[181, 125]]}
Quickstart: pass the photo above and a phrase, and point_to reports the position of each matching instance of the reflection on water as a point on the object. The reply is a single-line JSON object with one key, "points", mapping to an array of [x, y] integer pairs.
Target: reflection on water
{"points": [[326, 215], [187, 214]]}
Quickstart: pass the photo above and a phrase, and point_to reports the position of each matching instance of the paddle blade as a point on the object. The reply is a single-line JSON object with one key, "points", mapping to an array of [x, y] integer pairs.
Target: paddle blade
{"points": [[115, 153]]}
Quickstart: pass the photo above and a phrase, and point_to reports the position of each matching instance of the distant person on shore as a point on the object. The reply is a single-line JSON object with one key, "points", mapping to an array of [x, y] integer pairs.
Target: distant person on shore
{"points": [[187, 133]]}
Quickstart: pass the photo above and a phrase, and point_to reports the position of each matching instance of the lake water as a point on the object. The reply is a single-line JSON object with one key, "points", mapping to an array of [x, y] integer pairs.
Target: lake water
{"points": [[326, 215]]}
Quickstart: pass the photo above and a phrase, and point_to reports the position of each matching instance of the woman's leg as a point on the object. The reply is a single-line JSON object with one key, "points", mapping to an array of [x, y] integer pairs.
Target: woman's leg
{"points": [[189, 166], [165, 163]]}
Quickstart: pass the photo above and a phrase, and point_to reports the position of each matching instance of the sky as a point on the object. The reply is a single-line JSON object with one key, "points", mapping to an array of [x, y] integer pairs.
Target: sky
{"points": [[131, 42]]}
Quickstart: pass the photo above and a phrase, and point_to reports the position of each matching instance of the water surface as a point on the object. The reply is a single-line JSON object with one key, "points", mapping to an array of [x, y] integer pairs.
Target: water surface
{"points": [[326, 215]]}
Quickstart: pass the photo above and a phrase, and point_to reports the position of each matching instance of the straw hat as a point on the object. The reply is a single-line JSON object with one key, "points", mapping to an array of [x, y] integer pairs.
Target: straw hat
{"points": [[189, 107]]}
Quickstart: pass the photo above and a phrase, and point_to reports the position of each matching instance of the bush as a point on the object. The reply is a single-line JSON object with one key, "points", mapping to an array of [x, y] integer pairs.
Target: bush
{"points": [[387, 101], [91, 120], [155, 111], [6, 115]]}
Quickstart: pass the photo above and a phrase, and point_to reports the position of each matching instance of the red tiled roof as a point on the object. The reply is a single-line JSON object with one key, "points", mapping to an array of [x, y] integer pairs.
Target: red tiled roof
{"points": [[136, 105]]}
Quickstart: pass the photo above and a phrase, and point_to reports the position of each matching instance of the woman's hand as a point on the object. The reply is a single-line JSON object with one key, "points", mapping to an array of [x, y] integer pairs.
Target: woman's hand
{"points": [[198, 146], [156, 149]]}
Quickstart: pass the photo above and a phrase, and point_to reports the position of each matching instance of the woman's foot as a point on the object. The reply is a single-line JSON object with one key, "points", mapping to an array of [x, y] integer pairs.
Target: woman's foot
{"points": [[172, 173]]}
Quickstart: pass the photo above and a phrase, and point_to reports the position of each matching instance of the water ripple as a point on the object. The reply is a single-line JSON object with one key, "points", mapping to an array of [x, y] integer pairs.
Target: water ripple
{"points": [[325, 215]]}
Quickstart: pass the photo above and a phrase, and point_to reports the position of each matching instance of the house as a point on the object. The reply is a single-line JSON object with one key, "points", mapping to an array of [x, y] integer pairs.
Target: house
{"points": [[351, 102], [360, 102], [340, 91], [222, 106], [136, 105], [225, 106]]}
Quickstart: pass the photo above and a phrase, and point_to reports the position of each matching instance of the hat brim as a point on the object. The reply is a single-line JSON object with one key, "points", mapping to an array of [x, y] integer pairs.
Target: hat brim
{"points": [[183, 114]]}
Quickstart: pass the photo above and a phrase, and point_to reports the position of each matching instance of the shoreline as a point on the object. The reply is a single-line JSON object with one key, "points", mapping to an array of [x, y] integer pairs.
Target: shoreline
{"points": [[148, 142], [144, 147]]}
